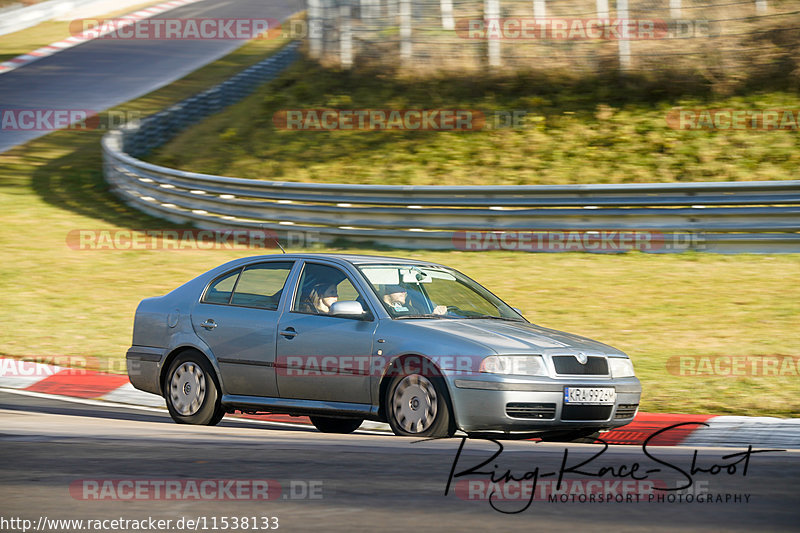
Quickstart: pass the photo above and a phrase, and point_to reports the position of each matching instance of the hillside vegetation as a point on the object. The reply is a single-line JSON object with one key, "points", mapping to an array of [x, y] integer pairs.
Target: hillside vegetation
{"points": [[575, 130]]}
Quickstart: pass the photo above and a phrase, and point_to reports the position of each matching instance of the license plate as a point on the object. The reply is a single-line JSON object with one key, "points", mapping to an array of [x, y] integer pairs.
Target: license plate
{"points": [[590, 395]]}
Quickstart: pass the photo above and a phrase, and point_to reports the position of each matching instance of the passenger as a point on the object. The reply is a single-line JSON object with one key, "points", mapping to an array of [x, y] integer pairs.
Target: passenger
{"points": [[395, 296]]}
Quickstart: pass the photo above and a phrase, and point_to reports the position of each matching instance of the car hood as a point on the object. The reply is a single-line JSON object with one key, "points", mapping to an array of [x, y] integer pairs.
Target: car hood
{"points": [[516, 337]]}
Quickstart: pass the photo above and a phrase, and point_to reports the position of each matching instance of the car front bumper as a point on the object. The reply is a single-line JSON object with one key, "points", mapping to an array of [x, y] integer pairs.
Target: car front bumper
{"points": [[538, 404]]}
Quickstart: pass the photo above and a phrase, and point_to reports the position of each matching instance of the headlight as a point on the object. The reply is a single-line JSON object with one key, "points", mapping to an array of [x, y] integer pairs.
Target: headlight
{"points": [[621, 367], [520, 365]]}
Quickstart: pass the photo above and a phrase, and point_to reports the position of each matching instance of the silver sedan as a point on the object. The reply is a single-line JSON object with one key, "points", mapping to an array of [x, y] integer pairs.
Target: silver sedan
{"points": [[348, 338]]}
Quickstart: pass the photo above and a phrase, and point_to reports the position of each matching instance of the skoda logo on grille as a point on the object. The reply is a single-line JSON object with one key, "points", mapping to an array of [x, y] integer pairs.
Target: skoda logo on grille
{"points": [[581, 357]]}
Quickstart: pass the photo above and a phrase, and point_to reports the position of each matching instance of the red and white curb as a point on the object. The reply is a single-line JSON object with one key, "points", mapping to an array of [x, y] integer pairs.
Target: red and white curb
{"points": [[700, 430], [88, 35]]}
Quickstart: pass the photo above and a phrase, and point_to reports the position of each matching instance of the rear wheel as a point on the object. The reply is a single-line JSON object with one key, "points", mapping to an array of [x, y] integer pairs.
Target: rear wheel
{"points": [[417, 406], [191, 391], [328, 424]]}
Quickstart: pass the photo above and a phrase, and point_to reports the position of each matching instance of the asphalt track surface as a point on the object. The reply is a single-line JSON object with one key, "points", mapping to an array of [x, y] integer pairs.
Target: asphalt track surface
{"points": [[361, 482], [102, 73]]}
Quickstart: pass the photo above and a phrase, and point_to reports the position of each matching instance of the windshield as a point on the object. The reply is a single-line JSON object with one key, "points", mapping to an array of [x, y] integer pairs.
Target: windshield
{"points": [[433, 292]]}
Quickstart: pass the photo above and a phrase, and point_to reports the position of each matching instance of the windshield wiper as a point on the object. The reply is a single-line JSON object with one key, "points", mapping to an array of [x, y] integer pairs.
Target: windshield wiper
{"points": [[472, 317], [428, 315]]}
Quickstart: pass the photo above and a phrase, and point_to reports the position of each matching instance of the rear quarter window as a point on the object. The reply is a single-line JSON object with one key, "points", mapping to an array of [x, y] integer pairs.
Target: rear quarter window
{"points": [[219, 292]]}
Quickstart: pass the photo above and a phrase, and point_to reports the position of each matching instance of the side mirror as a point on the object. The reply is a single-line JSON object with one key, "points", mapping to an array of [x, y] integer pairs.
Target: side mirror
{"points": [[347, 308], [516, 310]]}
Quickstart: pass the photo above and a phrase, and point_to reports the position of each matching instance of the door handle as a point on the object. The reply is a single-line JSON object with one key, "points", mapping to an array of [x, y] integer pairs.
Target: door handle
{"points": [[209, 324], [289, 333]]}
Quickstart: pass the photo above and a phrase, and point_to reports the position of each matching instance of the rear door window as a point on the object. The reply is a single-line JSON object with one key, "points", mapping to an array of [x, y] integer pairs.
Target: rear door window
{"points": [[261, 285]]}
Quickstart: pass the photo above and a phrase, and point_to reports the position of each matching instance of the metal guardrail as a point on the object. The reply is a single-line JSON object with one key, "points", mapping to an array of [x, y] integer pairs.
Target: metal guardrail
{"points": [[725, 217]]}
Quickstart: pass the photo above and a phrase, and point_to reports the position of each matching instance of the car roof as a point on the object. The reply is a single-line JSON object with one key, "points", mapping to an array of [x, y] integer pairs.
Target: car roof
{"points": [[354, 259]]}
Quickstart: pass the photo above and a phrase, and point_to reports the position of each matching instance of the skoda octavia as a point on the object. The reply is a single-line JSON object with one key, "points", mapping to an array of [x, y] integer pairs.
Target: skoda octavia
{"points": [[348, 338]]}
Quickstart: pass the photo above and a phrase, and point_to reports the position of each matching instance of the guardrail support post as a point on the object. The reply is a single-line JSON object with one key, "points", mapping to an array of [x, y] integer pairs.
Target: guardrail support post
{"points": [[602, 9], [674, 9], [447, 15], [539, 9], [345, 36], [491, 10], [625, 34], [315, 29], [405, 31]]}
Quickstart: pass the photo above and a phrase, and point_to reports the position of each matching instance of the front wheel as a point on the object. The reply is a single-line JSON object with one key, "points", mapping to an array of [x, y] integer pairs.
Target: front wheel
{"points": [[417, 406], [191, 391], [327, 424]]}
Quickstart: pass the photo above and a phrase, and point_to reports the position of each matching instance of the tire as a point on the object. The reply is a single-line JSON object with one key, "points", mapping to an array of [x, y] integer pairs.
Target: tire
{"points": [[418, 406], [328, 424], [192, 392]]}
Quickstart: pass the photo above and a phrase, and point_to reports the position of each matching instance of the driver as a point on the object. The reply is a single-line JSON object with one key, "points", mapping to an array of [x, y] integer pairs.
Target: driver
{"points": [[321, 298], [394, 296]]}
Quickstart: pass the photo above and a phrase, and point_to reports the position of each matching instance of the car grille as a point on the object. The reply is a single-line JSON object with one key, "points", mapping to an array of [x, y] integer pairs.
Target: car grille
{"points": [[531, 410], [568, 364], [626, 410], [586, 412]]}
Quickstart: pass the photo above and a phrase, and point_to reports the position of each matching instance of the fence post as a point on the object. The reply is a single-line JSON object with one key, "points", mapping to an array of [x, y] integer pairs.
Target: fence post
{"points": [[539, 9], [674, 9], [315, 28], [602, 10], [624, 39], [326, 34], [491, 11], [447, 15], [376, 9], [405, 30], [345, 35]]}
